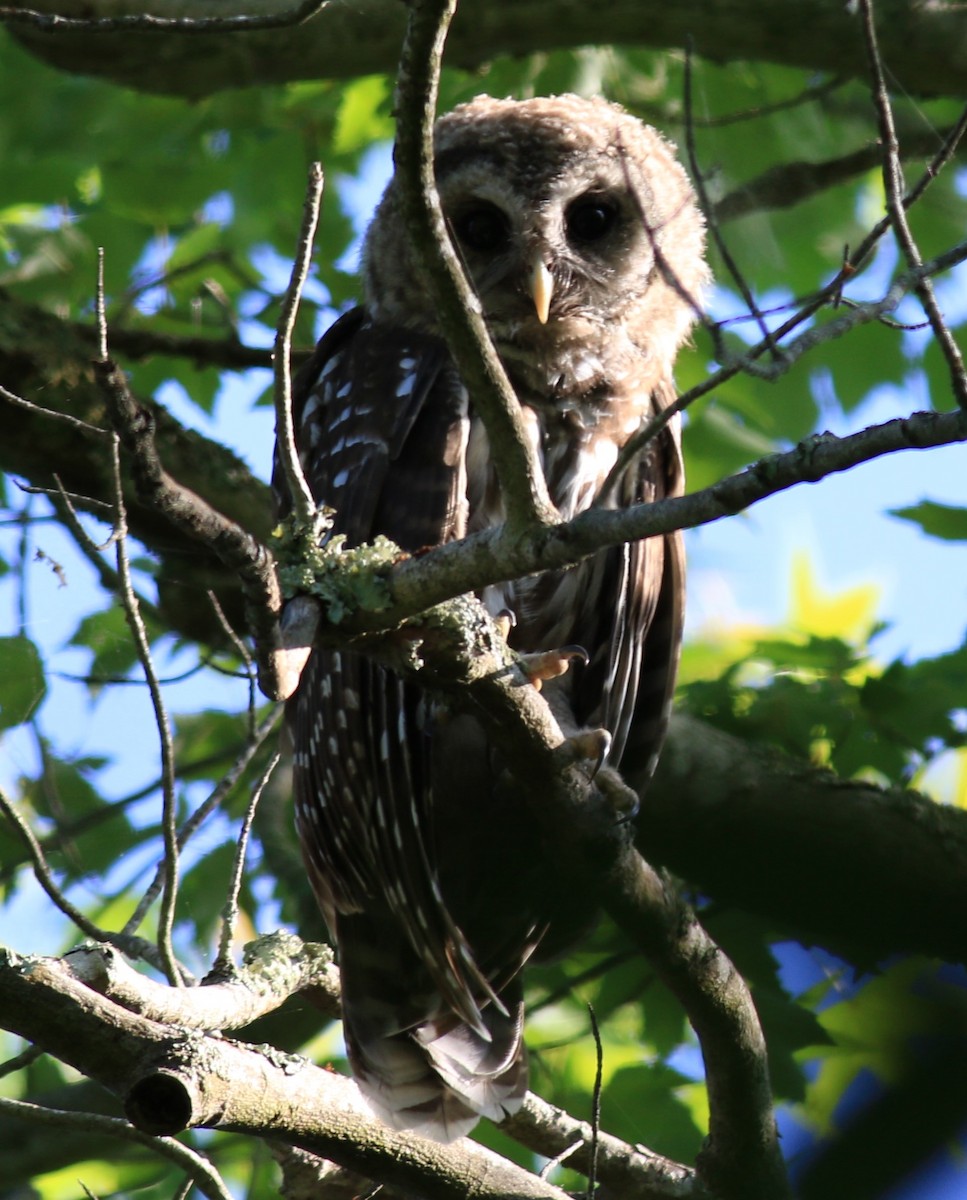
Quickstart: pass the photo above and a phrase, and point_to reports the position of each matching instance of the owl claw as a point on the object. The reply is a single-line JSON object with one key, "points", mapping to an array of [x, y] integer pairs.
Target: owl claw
{"points": [[551, 663], [593, 745]]}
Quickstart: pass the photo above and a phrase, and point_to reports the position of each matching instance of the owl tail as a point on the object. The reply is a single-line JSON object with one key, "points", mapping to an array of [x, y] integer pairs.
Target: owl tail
{"points": [[419, 1066]]}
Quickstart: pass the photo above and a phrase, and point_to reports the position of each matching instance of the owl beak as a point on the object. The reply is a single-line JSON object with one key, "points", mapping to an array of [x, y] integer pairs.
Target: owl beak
{"points": [[542, 288]]}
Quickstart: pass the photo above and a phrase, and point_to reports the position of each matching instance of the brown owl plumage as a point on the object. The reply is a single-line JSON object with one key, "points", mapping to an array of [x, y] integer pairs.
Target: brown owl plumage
{"points": [[580, 234]]}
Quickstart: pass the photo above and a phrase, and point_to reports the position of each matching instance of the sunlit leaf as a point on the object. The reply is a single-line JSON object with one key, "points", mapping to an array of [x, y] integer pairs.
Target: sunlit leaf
{"points": [[849, 614]]}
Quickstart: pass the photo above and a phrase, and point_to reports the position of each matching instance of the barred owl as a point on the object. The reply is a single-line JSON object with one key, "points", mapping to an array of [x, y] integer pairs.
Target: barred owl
{"points": [[580, 234]]}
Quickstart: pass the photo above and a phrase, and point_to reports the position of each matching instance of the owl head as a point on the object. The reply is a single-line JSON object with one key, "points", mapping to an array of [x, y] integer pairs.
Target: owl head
{"points": [[572, 219]]}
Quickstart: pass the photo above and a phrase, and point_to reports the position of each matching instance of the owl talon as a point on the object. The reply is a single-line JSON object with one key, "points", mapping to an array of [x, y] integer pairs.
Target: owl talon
{"points": [[549, 664], [593, 745]]}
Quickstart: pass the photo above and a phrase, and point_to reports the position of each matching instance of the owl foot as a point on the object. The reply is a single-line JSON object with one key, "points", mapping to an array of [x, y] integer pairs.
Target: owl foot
{"points": [[549, 664]]}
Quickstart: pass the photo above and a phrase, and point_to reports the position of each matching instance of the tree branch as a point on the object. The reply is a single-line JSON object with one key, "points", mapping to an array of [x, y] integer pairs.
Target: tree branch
{"points": [[895, 188], [490, 556], [198, 1169], [237, 549], [631, 1172], [348, 38], [183, 23], [867, 872], [274, 967], [173, 1080]]}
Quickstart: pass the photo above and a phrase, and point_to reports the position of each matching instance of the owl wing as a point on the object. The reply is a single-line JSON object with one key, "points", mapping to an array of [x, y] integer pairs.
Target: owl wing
{"points": [[630, 681], [381, 421]]}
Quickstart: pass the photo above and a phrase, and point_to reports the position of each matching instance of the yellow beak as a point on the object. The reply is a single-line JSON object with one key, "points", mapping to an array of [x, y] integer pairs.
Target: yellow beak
{"points": [[542, 288]]}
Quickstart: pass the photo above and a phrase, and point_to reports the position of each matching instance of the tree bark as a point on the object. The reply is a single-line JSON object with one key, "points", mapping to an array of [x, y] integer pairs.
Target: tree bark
{"points": [[863, 871], [923, 45]]}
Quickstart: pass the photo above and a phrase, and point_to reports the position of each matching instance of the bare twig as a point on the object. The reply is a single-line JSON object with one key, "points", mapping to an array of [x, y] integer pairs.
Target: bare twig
{"points": [[896, 208], [139, 636], [223, 960], [136, 947], [66, 418], [63, 504], [215, 799], [698, 179], [242, 651], [100, 308], [595, 1103], [559, 1159], [860, 314], [43, 874], [755, 112], [20, 1061], [300, 496], [521, 479]]}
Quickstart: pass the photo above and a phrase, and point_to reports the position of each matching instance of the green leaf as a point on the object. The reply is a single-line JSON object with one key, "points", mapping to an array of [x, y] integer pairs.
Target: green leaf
{"points": [[643, 1098], [107, 636], [93, 835], [22, 683], [945, 521], [717, 442], [204, 889]]}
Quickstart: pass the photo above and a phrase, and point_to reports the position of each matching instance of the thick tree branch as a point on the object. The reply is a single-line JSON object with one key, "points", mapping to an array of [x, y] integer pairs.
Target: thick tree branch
{"points": [[581, 825], [924, 45], [631, 1172], [238, 550], [280, 965], [43, 360], [173, 1080], [136, 345], [181, 22], [741, 1158], [864, 871], [790, 183]]}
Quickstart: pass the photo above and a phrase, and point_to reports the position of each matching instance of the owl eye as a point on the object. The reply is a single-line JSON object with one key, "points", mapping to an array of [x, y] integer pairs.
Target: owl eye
{"points": [[589, 219], [483, 227]]}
